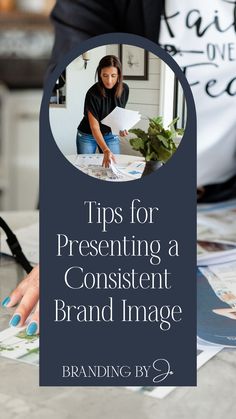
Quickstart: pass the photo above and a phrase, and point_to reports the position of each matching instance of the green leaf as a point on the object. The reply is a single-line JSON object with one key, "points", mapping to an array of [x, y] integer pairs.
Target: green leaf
{"points": [[157, 120], [163, 140], [153, 131], [172, 123], [180, 131], [137, 143], [164, 155], [156, 124], [139, 133], [153, 156], [157, 143]]}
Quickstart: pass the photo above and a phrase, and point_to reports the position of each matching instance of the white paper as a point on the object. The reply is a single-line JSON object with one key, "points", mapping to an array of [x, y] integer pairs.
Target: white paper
{"points": [[204, 354], [125, 169], [133, 170], [217, 222], [15, 344], [121, 119], [222, 279], [216, 229], [211, 252]]}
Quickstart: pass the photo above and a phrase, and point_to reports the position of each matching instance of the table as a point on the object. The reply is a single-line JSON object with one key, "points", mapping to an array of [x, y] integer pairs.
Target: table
{"points": [[126, 168], [22, 398]]}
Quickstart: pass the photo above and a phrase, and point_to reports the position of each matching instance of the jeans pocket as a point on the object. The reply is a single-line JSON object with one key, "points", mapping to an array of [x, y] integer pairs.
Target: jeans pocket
{"points": [[85, 143]]}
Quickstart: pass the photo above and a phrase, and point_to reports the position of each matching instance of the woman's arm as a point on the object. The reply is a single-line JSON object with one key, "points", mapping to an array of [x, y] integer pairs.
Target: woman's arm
{"points": [[124, 133], [95, 128]]}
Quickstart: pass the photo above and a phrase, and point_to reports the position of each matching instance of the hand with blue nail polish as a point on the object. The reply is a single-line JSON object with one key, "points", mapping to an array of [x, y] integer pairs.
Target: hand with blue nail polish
{"points": [[15, 320], [32, 329], [5, 302], [26, 297]]}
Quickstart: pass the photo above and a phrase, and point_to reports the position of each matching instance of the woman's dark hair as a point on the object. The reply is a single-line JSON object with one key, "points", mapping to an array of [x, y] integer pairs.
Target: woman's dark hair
{"points": [[110, 61]]}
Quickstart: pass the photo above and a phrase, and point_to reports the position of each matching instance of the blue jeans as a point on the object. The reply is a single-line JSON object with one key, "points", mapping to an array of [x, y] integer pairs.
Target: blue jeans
{"points": [[86, 143]]}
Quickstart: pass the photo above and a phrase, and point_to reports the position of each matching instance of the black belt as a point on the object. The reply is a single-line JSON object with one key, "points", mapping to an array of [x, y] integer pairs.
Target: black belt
{"points": [[15, 247]]}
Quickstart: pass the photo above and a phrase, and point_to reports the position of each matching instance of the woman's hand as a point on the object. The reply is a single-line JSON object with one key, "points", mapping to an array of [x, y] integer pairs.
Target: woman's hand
{"points": [[124, 133], [107, 158], [26, 295]]}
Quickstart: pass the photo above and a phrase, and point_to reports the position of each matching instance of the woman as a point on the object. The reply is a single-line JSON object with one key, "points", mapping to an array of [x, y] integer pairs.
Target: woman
{"points": [[76, 21], [101, 99]]}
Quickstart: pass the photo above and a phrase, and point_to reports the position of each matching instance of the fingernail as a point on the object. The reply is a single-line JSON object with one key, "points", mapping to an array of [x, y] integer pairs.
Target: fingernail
{"points": [[5, 301], [32, 329], [15, 320]]}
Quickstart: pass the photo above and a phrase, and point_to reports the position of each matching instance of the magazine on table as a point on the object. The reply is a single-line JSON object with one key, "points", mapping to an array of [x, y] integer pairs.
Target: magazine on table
{"points": [[216, 233], [216, 275]]}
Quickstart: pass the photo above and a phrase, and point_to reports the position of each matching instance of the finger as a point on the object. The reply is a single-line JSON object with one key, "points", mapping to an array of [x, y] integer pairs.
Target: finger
{"points": [[104, 162], [28, 302], [33, 326], [16, 295], [113, 158], [30, 280]]}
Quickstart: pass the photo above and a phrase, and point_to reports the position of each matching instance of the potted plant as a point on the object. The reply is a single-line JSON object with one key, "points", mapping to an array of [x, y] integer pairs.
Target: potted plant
{"points": [[157, 145]]}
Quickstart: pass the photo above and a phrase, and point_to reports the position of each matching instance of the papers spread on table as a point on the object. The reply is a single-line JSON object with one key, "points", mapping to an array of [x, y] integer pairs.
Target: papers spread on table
{"points": [[15, 344], [117, 172], [216, 276], [132, 170], [217, 222], [216, 287], [211, 252], [204, 353], [216, 234], [121, 119]]}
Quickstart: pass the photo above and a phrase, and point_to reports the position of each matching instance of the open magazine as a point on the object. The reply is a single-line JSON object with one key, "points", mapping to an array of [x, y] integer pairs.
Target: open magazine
{"points": [[216, 231], [216, 275], [211, 252], [216, 314]]}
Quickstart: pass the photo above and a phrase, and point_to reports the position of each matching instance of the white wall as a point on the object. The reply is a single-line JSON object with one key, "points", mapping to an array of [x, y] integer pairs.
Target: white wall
{"points": [[65, 120], [20, 149], [167, 82], [144, 97]]}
